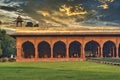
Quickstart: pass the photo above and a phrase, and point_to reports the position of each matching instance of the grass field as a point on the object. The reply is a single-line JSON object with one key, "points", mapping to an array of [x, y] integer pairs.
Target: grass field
{"points": [[58, 71]]}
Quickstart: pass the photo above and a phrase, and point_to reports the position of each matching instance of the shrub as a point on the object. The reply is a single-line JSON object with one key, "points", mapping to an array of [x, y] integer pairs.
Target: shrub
{"points": [[5, 59], [12, 59]]}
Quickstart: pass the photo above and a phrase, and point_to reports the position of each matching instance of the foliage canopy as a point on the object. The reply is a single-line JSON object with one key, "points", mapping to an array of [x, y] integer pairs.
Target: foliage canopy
{"points": [[7, 44]]}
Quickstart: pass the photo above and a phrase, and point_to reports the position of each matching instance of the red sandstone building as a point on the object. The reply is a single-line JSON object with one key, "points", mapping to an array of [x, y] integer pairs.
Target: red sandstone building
{"points": [[53, 46]]}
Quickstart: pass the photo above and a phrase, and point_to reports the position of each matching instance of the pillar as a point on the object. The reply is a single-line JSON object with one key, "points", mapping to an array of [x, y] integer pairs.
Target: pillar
{"points": [[98, 51], [19, 51], [36, 51], [101, 51], [51, 51], [113, 51], [117, 49], [83, 51], [67, 51], [22, 53], [80, 52]]}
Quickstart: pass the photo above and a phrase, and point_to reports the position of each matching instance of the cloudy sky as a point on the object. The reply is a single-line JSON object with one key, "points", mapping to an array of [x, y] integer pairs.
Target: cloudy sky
{"points": [[66, 12]]}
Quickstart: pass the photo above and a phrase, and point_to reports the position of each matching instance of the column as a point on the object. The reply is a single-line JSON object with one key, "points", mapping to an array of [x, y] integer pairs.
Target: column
{"points": [[113, 52], [82, 52], [22, 53], [19, 56], [117, 53], [67, 51], [101, 50], [51, 51], [98, 51], [36, 51]]}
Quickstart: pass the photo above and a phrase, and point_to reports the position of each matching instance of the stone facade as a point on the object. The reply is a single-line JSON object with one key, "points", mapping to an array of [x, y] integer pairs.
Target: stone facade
{"points": [[51, 40]]}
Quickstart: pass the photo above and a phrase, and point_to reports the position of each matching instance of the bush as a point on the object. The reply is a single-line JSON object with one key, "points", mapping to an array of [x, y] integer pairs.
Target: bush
{"points": [[12, 60], [29, 24], [0, 52], [4, 59], [36, 25]]}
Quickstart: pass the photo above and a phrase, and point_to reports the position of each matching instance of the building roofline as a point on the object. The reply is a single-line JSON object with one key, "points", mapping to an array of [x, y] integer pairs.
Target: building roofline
{"points": [[65, 34]]}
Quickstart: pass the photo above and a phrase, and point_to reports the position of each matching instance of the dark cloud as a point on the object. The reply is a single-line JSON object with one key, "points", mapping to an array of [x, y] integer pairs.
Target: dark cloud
{"points": [[48, 11]]}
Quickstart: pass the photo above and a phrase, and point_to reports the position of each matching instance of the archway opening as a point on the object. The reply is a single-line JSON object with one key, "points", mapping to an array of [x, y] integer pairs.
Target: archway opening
{"points": [[44, 50], [75, 50], [28, 50], [92, 49], [59, 50], [109, 49]]}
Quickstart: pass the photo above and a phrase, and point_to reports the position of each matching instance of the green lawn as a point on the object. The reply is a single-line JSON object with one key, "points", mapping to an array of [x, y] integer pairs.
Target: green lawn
{"points": [[58, 71]]}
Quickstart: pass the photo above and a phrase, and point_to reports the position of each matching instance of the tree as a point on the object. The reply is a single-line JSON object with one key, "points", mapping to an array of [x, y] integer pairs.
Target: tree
{"points": [[7, 44], [0, 49]]}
